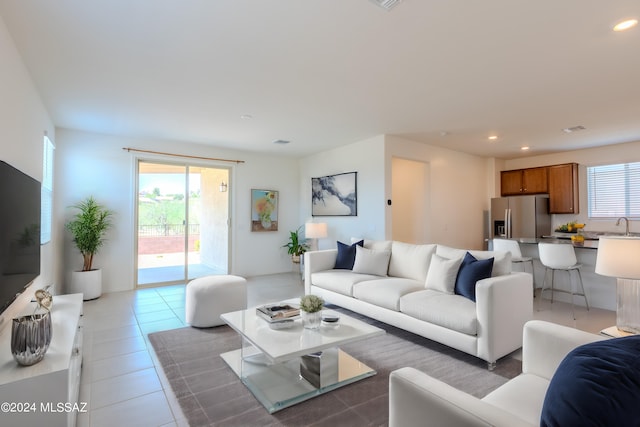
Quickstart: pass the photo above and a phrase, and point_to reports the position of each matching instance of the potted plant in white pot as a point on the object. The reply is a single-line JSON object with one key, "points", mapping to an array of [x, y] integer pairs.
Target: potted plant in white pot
{"points": [[311, 311], [88, 228], [296, 246]]}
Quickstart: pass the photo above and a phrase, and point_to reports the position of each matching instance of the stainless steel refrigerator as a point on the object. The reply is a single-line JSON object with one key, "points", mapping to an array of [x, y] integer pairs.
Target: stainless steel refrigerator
{"points": [[520, 217]]}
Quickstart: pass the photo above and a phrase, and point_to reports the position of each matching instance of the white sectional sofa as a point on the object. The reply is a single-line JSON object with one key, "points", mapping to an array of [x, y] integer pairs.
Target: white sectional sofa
{"points": [[411, 288], [416, 399]]}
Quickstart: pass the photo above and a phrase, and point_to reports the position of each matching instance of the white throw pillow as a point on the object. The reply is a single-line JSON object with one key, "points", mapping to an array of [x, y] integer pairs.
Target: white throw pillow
{"points": [[371, 262], [442, 274]]}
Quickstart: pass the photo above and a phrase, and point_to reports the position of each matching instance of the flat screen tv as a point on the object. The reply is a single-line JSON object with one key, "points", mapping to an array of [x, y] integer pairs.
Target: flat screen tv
{"points": [[19, 232]]}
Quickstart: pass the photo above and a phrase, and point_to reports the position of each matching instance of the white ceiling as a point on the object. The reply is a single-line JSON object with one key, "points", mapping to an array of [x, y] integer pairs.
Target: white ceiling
{"points": [[323, 73]]}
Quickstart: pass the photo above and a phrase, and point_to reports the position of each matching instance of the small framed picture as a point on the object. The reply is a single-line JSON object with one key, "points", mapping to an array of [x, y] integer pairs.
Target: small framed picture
{"points": [[264, 210]]}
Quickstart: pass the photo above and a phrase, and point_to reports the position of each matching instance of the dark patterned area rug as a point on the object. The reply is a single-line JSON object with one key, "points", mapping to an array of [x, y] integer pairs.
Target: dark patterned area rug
{"points": [[210, 393]]}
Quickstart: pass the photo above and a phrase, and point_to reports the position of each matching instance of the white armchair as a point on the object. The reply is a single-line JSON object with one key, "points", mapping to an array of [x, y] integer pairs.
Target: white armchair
{"points": [[416, 399]]}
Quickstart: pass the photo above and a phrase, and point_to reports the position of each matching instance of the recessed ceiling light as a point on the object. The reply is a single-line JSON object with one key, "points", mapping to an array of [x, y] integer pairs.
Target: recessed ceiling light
{"points": [[525, 148], [281, 141], [493, 137], [246, 117], [625, 25]]}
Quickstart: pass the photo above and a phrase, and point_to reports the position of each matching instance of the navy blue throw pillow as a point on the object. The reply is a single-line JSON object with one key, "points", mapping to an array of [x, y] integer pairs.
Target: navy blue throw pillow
{"points": [[471, 270], [596, 384], [347, 255]]}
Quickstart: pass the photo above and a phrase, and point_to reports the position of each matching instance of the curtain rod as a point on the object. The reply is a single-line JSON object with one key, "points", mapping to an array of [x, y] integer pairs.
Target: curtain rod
{"points": [[181, 155]]}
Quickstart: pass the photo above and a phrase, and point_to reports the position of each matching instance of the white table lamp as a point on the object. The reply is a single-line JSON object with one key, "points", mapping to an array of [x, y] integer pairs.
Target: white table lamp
{"points": [[315, 231], [619, 257]]}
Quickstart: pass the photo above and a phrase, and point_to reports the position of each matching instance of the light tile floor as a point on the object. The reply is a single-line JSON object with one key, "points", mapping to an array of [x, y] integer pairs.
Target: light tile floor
{"points": [[122, 381]]}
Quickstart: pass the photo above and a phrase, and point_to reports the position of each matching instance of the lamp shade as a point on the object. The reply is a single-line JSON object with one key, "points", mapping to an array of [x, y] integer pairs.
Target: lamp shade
{"points": [[619, 256], [315, 230]]}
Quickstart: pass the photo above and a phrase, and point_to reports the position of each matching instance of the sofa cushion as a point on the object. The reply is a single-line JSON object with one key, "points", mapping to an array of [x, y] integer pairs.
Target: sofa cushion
{"points": [[340, 281], [596, 384], [385, 292], [442, 274], [410, 261], [346, 255], [376, 245], [449, 311], [501, 260], [373, 262], [472, 270]]}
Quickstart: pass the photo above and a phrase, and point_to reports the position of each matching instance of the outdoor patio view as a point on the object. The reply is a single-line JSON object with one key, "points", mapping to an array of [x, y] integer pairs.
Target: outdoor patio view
{"points": [[180, 237]]}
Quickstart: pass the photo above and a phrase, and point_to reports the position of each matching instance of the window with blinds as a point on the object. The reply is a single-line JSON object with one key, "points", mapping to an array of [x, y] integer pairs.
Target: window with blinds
{"points": [[46, 198], [614, 191]]}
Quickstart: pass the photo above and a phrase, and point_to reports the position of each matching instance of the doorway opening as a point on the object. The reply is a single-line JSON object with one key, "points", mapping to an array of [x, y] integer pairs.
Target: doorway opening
{"points": [[182, 222], [411, 208]]}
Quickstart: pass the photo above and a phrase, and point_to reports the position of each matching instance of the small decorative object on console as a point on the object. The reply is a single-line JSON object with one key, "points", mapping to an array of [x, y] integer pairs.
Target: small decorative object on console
{"points": [[31, 334]]}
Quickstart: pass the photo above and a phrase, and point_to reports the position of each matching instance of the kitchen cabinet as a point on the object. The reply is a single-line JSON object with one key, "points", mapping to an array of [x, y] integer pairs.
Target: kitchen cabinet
{"points": [[563, 189], [524, 181]]}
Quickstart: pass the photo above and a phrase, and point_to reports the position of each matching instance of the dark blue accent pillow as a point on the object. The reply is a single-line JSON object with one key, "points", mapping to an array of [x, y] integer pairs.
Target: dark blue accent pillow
{"points": [[347, 255], [596, 384], [471, 270]]}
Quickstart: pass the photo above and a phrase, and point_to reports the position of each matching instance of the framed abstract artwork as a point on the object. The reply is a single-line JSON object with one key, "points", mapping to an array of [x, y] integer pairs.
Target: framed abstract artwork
{"points": [[264, 210], [335, 195]]}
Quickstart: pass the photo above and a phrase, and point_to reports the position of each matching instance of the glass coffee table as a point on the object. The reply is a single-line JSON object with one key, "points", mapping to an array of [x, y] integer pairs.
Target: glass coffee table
{"points": [[283, 367]]}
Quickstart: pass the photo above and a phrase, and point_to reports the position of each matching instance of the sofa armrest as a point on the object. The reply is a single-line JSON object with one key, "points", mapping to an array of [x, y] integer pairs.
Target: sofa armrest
{"points": [[546, 344], [416, 399], [317, 261], [503, 304]]}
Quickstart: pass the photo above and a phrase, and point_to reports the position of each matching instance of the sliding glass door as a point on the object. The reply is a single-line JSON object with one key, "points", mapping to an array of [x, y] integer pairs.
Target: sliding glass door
{"points": [[182, 222]]}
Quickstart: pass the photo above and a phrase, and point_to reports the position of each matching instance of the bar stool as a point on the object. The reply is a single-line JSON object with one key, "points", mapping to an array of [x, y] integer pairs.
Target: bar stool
{"points": [[506, 245], [561, 256]]}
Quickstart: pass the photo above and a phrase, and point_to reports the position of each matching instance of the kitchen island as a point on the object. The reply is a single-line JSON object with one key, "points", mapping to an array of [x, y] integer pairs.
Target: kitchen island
{"points": [[600, 290]]}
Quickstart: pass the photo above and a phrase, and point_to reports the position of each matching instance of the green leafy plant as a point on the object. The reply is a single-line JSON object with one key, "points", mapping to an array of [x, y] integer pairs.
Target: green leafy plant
{"points": [[295, 246], [311, 303], [88, 228]]}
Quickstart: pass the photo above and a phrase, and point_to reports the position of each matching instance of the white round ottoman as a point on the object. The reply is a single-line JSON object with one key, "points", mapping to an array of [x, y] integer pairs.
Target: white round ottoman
{"points": [[210, 296]]}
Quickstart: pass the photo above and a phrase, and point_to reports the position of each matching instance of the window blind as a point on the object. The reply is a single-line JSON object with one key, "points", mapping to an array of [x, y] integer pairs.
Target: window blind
{"points": [[614, 190]]}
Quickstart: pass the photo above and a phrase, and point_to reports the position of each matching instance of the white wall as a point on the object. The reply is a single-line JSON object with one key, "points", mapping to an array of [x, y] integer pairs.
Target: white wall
{"points": [[23, 123], [458, 196], [365, 157], [92, 164], [611, 154]]}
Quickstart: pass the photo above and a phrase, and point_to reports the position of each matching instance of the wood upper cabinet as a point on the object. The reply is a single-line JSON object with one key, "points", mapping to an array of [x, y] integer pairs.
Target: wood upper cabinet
{"points": [[563, 189], [524, 181]]}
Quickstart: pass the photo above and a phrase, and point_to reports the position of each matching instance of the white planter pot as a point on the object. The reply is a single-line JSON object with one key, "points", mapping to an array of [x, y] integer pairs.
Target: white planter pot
{"points": [[88, 283]]}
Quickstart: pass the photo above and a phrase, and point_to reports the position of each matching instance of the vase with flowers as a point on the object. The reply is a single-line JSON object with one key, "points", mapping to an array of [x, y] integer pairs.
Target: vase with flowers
{"points": [[311, 311], [264, 207]]}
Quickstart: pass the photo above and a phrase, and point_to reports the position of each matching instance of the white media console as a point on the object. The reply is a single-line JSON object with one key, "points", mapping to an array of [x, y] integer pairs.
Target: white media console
{"points": [[45, 393]]}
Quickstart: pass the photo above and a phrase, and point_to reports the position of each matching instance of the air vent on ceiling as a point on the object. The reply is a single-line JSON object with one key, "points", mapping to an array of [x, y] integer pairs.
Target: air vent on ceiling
{"points": [[281, 141], [386, 4], [573, 129]]}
